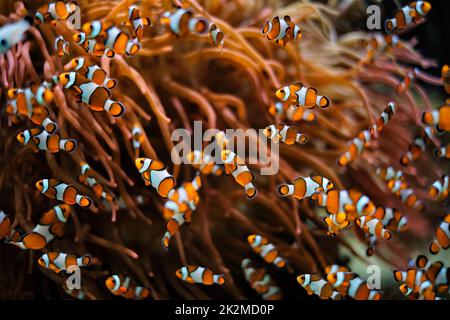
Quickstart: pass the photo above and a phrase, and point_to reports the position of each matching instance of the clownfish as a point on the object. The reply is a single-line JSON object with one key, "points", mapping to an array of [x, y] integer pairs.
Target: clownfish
{"points": [[442, 236], [373, 226], [39, 139], [443, 152], [445, 76], [371, 244], [281, 30], [407, 81], [260, 281], [12, 33], [284, 133], [266, 250], [339, 276], [440, 118], [125, 287], [315, 284], [136, 140], [204, 163], [389, 173], [92, 46], [391, 218], [415, 284], [90, 93], [440, 188], [61, 46], [392, 41], [415, 149], [285, 110], [305, 187], [155, 174], [56, 217], [407, 16], [240, 172], [36, 239], [136, 21], [55, 11], [88, 180], [216, 36], [174, 223], [182, 21], [5, 224], [300, 95], [61, 191], [60, 261], [197, 274], [91, 71], [436, 272]]}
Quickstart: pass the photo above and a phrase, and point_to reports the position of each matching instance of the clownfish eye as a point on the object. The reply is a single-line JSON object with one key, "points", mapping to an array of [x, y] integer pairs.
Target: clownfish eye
{"points": [[66, 76], [142, 161]]}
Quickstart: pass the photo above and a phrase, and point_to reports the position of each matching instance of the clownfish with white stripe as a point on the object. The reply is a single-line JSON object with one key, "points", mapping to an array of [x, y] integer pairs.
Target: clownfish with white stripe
{"points": [[315, 284], [373, 226], [415, 284], [440, 188], [240, 172], [54, 189], [436, 272], [293, 113], [61, 46], [39, 139], [260, 281], [136, 139], [5, 225], [125, 287], [417, 147], [266, 250], [60, 261], [87, 179], [204, 163], [155, 174], [300, 95], [389, 173], [442, 236], [440, 119], [445, 76], [56, 217], [92, 46], [391, 218], [284, 133], [443, 152], [12, 33], [90, 93], [407, 81], [182, 22], [282, 30], [216, 36], [137, 22], [55, 11], [407, 16], [91, 71], [305, 187], [196, 274]]}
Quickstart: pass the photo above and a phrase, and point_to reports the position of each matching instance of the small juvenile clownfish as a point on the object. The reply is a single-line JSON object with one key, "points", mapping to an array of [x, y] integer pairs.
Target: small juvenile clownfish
{"points": [[407, 16], [197, 274], [92, 46], [90, 93], [406, 194], [315, 284], [445, 75], [305, 187], [216, 36], [240, 172], [284, 133], [443, 152], [281, 30], [56, 217], [182, 21], [389, 173], [373, 226], [61, 191], [125, 287], [266, 250], [36, 239], [5, 225], [204, 163], [59, 261], [61, 46], [440, 188], [155, 174], [55, 11], [91, 71], [286, 110], [436, 272], [39, 139], [391, 218], [136, 21], [300, 95], [260, 281], [415, 149], [383, 120], [407, 81], [87, 179], [442, 235], [440, 118], [12, 33], [136, 140], [371, 244], [353, 286], [174, 223]]}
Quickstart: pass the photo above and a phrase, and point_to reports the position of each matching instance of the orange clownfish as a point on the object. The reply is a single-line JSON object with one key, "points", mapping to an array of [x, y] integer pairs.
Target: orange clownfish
{"points": [[391, 218], [88, 180], [440, 188], [286, 110], [197, 274], [136, 140], [92, 46], [61, 191], [284, 133], [39, 139], [402, 190], [305, 187], [436, 272], [443, 152], [155, 174], [55, 11], [216, 36], [91, 71], [56, 217], [136, 21], [61, 46], [373, 226], [442, 235], [407, 81], [445, 75], [282, 30], [182, 21], [204, 163], [414, 284], [5, 224], [440, 118], [416, 148], [90, 93], [260, 281], [300, 95], [125, 287], [241, 174], [60, 261], [266, 250], [389, 173], [407, 16], [315, 284]]}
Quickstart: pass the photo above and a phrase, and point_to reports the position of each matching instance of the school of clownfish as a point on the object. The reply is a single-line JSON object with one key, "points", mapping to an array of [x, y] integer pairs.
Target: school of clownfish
{"points": [[91, 86]]}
